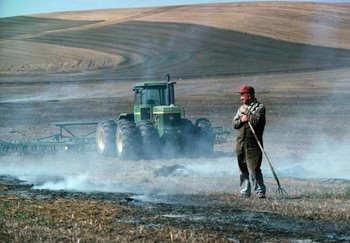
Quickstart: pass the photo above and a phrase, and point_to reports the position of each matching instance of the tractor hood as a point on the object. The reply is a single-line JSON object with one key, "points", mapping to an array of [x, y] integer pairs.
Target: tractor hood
{"points": [[169, 109]]}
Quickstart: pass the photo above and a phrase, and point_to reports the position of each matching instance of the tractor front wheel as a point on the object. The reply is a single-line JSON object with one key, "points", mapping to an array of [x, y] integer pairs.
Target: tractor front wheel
{"points": [[105, 137]]}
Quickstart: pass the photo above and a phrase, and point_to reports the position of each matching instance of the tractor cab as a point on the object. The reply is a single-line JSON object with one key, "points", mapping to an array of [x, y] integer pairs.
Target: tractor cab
{"points": [[154, 93], [154, 100]]}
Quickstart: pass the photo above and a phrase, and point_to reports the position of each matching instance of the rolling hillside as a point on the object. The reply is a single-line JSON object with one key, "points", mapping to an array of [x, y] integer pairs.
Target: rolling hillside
{"points": [[153, 49], [186, 41]]}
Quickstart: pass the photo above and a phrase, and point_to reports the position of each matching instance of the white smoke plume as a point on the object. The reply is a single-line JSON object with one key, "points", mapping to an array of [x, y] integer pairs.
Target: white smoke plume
{"points": [[91, 172]]}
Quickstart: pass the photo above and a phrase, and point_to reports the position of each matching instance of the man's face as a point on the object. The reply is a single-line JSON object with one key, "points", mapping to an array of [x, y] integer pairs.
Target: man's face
{"points": [[246, 99]]}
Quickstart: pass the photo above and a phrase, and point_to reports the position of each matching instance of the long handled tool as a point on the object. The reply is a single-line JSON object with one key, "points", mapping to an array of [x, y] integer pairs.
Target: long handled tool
{"points": [[280, 190]]}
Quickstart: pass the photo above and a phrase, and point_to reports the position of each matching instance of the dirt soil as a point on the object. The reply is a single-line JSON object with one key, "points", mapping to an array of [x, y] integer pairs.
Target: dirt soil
{"points": [[81, 66]]}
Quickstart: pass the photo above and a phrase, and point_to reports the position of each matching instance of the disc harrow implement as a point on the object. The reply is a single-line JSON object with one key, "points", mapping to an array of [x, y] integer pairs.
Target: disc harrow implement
{"points": [[64, 140]]}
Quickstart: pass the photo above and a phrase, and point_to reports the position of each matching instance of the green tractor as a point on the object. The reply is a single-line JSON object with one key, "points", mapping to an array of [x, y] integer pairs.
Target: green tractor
{"points": [[155, 128]]}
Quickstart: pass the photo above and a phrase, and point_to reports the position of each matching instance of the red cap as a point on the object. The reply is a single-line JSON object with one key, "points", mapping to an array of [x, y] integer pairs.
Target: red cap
{"points": [[246, 89]]}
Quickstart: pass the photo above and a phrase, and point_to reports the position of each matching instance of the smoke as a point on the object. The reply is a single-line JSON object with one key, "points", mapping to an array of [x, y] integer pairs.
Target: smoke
{"points": [[308, 150], [93, 173], [327, 158], [310, 138], [90, 172]]}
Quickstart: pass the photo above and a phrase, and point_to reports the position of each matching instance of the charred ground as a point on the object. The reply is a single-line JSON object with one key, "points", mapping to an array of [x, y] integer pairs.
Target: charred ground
{"points": [[46, 215]]}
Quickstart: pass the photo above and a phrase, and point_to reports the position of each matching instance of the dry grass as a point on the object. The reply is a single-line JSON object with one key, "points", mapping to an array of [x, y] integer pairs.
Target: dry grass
{"points": [[51, 58], [311, 23], [21, 26], [83, 220], [96, 15], [88, 20], [313, 206]]}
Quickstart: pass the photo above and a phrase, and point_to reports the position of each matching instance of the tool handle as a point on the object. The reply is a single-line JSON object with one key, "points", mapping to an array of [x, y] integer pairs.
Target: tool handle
{"points": [[266, 156]]}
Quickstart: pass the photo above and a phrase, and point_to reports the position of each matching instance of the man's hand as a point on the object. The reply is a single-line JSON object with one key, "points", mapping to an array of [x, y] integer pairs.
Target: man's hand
{"points": [[243, 109], [243, 118]]}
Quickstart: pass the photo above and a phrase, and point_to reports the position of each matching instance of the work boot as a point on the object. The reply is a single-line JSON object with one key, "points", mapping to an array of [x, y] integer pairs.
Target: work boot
{"points": [[245, 187], [261, 195]]}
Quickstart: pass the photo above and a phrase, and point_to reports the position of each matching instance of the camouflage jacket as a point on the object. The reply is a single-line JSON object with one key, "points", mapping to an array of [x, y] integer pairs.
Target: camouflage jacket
{"points": [[256, 117]]}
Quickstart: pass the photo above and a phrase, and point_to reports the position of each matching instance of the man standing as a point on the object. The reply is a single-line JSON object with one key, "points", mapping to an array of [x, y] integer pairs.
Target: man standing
{"points": [[248, 152]]}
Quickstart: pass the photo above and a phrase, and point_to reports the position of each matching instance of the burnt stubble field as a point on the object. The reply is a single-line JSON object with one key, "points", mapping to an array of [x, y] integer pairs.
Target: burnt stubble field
{"points": [[81, 66]]}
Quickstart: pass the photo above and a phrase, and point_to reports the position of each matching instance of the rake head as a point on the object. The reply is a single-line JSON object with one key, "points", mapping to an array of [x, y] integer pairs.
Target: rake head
{"points": [[281, 192]]}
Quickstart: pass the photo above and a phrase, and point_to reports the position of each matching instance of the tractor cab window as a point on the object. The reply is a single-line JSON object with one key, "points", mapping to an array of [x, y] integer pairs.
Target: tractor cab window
{"points": [[171, 97], [137, 99], [153, 96]]}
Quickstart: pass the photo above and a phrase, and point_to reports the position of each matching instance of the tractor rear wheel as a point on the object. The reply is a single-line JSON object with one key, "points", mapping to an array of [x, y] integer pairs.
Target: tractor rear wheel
{"points": [[127, 140], [171, 144], [150, 139], [105, 137], [187, 131], [205, 137]]}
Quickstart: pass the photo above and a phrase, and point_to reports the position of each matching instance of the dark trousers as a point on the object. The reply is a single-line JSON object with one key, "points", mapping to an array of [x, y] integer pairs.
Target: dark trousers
{"points": [[249, 162]]}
